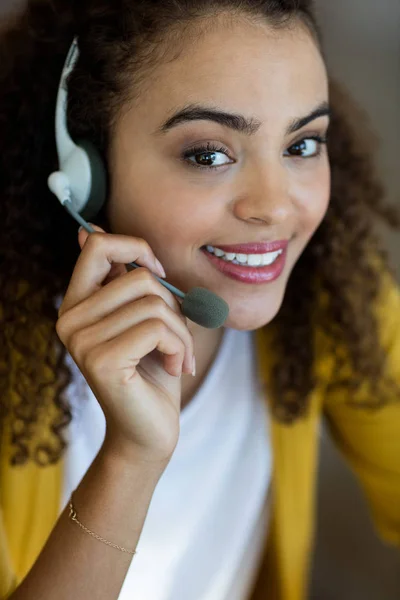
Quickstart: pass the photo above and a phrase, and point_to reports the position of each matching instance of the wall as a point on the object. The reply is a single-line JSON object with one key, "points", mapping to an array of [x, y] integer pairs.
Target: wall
{"points": [[362, 43]]}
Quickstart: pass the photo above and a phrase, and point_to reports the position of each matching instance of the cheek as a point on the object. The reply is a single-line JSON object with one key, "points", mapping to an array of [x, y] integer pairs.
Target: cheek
{"points": [[166, 210], [312, 199]]}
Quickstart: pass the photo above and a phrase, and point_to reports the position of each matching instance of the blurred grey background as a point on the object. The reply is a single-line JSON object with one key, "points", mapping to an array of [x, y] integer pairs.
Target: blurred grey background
{"points": [[362, 43]]}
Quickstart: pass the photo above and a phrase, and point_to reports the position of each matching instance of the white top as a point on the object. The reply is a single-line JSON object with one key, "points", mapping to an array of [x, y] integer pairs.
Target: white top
{"points": [[207, 521]]}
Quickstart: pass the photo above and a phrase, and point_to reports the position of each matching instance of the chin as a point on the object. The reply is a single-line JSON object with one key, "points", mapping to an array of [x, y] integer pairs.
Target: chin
{"points": [[247, 319]]}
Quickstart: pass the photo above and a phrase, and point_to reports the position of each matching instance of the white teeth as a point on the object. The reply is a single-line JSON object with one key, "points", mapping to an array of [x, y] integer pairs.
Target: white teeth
{"points": [[268, 259], [252, 260]]}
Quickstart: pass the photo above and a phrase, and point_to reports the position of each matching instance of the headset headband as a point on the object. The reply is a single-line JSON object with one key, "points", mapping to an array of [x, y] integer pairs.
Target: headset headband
{"points": [[81, 179]]}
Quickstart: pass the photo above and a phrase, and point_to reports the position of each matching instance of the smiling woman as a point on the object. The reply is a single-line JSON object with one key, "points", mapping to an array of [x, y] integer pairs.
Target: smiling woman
{"points": [[229, 156], [239, 166]]}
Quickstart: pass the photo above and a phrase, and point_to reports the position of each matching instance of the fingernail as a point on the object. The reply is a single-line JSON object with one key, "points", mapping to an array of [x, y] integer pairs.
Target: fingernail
{"points": [[80, 228], [160, 268], [194, 366]]}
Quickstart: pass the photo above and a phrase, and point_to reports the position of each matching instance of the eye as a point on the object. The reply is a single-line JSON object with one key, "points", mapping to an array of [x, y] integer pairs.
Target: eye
{"points": [[208, 156], [307, 147]]}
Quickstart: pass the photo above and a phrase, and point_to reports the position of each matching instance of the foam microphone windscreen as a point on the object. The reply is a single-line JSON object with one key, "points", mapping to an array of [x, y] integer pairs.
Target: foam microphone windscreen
{"points": [[205, 308]]}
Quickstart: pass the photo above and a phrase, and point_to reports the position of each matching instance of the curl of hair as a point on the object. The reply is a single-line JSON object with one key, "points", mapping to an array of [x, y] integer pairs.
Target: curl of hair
{"points": [[38, 250]]}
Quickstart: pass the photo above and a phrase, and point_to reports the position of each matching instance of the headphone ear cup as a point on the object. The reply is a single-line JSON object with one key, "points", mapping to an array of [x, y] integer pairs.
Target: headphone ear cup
{"points": [[98, 190]]}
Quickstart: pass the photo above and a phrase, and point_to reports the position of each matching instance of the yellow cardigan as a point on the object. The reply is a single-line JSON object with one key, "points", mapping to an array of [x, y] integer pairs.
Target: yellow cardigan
{"points": [[369, 440]]}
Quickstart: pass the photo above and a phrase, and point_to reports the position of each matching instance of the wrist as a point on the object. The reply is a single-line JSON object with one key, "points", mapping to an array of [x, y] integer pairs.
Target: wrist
{"points": [[124, 457]]}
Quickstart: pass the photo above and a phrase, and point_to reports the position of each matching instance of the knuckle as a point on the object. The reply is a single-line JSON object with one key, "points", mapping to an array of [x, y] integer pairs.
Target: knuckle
{"points": [[149, 279], [177, 308], [61, 328], [143, 274], [95, 361], [158, 326], [96, 241], [157, 304], [75, 343], [144, 245]]}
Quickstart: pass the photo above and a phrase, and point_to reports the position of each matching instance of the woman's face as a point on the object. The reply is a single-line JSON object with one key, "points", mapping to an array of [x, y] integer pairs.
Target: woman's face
{"points": [[206, 179]]}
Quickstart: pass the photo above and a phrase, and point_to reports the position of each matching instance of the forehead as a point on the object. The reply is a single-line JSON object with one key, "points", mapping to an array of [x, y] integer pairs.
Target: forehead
{"points": [[244, 67]]}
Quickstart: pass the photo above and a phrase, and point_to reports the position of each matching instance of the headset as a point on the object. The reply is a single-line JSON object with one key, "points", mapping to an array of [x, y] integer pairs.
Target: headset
{"points": [[80, 185], [81, 182]]}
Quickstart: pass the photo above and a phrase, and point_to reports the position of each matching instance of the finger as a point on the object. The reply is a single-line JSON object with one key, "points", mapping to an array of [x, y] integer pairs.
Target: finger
{"points": [[117, 269], [122, 354], [83, 234], [130, 287], [116, 323], [100, 251]]}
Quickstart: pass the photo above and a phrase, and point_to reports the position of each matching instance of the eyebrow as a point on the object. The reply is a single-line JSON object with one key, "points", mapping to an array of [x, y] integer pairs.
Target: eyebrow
{"points": [[237, 122]]}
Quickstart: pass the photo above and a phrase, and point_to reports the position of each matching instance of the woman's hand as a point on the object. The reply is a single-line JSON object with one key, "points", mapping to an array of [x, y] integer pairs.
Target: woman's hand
{"points": [[126, 333]]}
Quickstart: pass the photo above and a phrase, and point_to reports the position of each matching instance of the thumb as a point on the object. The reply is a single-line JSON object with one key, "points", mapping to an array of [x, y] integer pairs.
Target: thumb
{"points": [[116, 269], [83, 234]]}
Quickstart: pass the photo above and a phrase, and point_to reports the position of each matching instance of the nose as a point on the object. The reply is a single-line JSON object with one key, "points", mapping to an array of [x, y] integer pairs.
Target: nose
{"points": [[265, 195]]}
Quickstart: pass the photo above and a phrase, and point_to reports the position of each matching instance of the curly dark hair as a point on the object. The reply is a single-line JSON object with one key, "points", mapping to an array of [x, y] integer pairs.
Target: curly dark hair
{"points": [[38, 247]]}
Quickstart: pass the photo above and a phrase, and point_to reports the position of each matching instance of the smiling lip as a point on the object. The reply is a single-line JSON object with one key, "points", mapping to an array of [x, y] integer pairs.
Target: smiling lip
{"points": [[253, 275], [254, 247]]}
